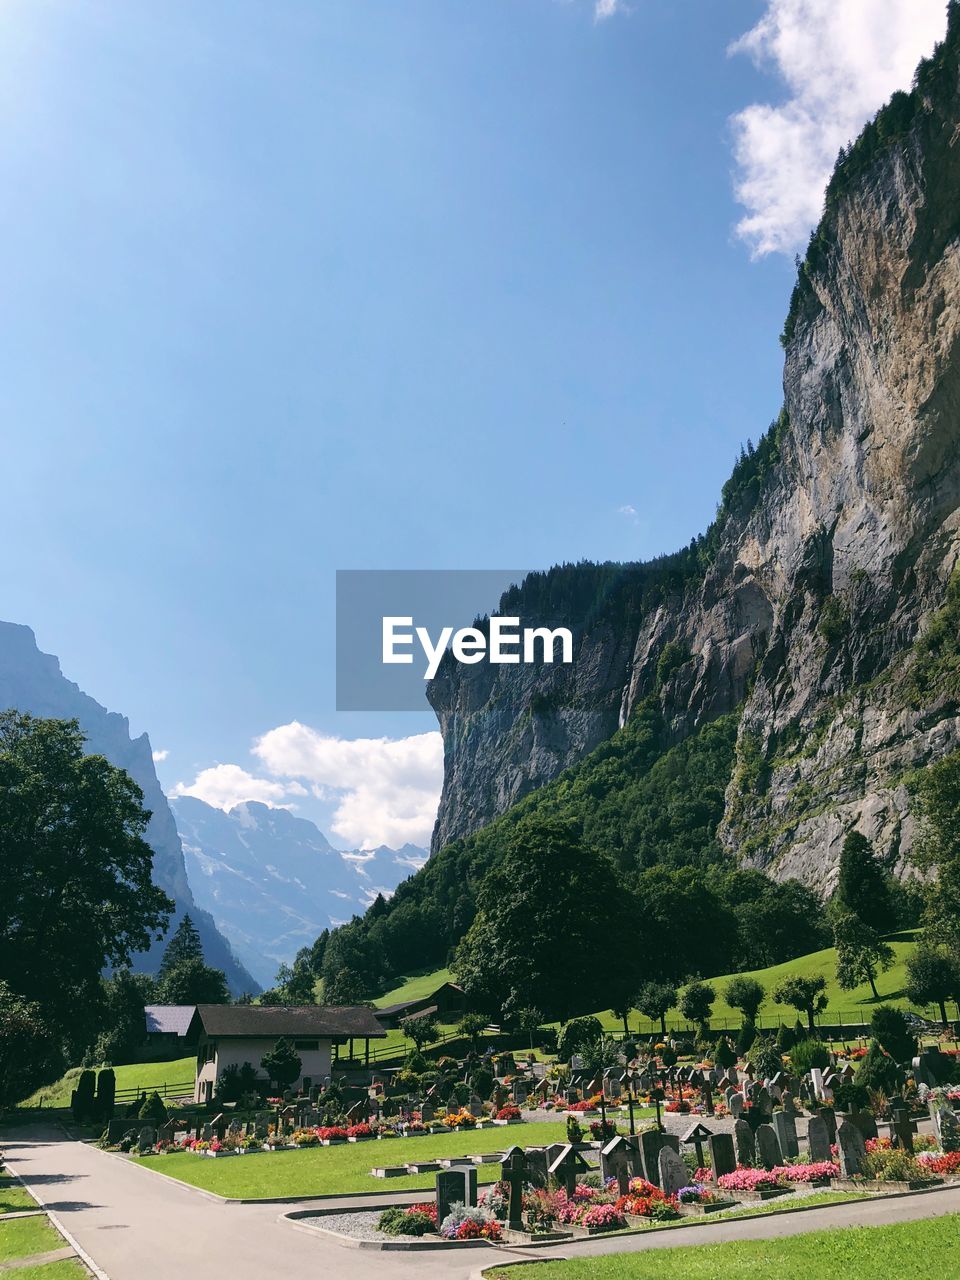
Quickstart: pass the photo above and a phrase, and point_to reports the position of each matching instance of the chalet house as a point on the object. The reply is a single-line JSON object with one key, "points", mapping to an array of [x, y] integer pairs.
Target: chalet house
{"points": [[232, 1034], [166, 1027], [446, 1003]]}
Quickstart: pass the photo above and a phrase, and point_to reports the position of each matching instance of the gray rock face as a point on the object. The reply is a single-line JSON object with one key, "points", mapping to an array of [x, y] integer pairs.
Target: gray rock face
{"points": [[32, 681], [817, 592]]}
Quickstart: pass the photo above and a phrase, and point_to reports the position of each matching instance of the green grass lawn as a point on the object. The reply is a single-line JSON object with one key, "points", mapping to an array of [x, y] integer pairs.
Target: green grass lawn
{"points": [[414, 988], [22, 1237], [13, 1197], [905, 1251], [855, 1005], [68, 1269], [326, 1171], [147, 1075]]}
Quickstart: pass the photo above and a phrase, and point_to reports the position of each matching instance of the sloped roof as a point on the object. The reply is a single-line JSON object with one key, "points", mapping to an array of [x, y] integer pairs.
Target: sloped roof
{"points": [[170, 1018], [289, 1020]]}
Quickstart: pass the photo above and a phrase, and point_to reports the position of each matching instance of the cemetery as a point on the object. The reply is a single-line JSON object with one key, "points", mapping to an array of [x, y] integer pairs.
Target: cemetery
{"points": [[510, 1150]]}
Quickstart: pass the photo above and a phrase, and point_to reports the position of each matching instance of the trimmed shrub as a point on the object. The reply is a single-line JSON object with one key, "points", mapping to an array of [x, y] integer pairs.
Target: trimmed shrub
{"points": [[106, 1093], [888, 1026], [809, 1053], [82, 1101], [153, 1109]]}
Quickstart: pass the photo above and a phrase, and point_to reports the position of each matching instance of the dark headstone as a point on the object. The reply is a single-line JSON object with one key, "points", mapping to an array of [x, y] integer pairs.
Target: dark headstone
{"points": [[769, 1154], [455, 1186], [851, 1148], [722, 1154], [786, 1130]]}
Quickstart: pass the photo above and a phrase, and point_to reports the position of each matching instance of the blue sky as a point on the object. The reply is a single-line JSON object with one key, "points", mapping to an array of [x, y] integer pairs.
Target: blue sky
{"points": [[317, 284]]}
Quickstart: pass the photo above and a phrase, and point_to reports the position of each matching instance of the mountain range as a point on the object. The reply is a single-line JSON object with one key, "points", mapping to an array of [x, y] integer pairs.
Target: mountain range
{"points": [[272, 881]]}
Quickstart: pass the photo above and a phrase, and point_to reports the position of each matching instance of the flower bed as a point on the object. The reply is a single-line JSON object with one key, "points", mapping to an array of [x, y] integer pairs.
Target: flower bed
{"points": [[818, 1172], [750, 1181]]}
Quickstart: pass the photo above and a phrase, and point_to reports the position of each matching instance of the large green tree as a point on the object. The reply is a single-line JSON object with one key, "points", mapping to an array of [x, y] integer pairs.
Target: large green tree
{"points": [[933, 977], [193, 982], [936, 793], [863, 887], [76, 894], [807, 994], [183, 977], [861, 952], [122, 1033], [552, 918], [29, 1047]]}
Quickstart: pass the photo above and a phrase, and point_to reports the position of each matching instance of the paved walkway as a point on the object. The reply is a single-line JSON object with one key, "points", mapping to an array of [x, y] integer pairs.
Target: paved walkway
{"points": [[141, 1226]]}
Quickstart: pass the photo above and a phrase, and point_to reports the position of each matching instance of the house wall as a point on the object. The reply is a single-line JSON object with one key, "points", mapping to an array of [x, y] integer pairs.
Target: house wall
{"points": [[236, 1051]]}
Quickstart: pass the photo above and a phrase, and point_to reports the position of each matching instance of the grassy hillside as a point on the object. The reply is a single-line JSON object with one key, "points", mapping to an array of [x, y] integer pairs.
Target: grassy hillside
{"points": [[414, 988], [851, 1006], [848, 1006], [143, 1075]]}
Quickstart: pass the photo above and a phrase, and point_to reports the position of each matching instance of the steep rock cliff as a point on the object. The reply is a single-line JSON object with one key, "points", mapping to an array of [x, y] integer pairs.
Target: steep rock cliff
{"points": [[830, 556]]}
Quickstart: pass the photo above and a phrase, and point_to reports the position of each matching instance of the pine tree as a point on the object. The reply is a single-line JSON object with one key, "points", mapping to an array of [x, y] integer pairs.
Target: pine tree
{"points": [[184, 946], [862, 886]]}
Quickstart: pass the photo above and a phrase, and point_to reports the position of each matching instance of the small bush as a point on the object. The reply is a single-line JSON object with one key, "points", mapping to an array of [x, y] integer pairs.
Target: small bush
{"points": [[807, 1054]]}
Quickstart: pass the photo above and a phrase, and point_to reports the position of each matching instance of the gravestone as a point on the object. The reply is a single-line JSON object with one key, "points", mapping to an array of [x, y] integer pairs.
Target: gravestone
{"points": [[945, 1124], [476, 1106], [851, 1148], [722, 1154], [117, 1129], [768, 1147], [167, 1132], [786, 1130], [537, 1173], [147, 1139], [697, 1134], [707, 1094], [818, 1140], [902, 1130], [565, 1166], [816, 1078], [744, 1142], [864, 1120], [673, 1172], [455, 1186], [789, 1106], [617, 1161], [762, 1103], [427, 1112], [651, 1144], [735, 1105], [829, 1117]]}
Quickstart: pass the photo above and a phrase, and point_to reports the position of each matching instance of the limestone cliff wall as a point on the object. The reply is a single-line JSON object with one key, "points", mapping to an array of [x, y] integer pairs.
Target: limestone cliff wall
{"points": [[818, 591]]}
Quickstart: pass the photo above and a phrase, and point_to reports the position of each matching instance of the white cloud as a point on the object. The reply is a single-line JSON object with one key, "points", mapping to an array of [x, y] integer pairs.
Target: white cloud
{"points": [[603, 9], [159, 756], [630, 512], [386, 789], [226, 785], [840, 61]]}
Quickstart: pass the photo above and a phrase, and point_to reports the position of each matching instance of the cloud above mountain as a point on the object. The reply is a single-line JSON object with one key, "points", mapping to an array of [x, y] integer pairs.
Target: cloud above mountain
{"points": [[840, 63], [226, 785], [385, 790]]}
